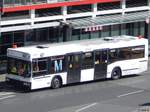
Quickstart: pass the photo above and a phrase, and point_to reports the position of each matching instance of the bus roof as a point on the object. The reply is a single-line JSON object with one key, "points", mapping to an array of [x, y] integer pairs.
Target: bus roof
{"points": [[46, 50]]}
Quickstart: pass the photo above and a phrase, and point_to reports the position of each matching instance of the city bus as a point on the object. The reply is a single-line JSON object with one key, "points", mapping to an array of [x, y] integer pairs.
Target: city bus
{"points": [[58, 64]]}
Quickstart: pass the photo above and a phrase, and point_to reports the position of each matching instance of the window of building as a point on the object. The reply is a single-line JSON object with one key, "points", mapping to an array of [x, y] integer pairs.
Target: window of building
{"points": [[75, 34], [42, 35], [95, 34], [85, 35], [6, 38], [22, 2], [123, 29], [129, 28], [18, 38], [15, 15], [142, 28], [115, 30], [106, 31], [136, 29], [108, 6], [79, 9], [30, 36], [53, 35], [136, 3], [48, 12], [3, 49]]}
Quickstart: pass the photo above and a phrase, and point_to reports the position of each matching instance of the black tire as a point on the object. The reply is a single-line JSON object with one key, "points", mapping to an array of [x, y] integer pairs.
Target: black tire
{"points": [[116, 74], [56, 83]]}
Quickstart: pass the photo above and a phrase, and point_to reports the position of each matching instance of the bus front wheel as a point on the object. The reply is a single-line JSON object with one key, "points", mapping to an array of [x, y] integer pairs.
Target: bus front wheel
{"points": [[56, 83], [116, 74]]}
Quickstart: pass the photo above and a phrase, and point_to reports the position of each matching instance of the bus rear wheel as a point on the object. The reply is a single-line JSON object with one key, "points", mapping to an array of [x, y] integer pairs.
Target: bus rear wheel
{"points": [[116, 74], [56, 83]]}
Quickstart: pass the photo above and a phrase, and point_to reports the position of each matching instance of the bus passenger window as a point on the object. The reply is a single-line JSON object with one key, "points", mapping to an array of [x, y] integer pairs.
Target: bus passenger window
{"points": [[113, 55], [124, 53], [39, 67], [35, 67]]}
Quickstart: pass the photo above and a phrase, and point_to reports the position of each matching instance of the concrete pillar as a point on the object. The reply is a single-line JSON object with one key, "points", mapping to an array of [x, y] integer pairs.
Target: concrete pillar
{"points": [[123, 6], [94, 9], [64, 12], [32, 16]]}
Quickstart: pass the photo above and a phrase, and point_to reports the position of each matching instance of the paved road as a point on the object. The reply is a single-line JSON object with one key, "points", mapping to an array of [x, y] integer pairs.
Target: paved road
{"points": [[124, 95]]}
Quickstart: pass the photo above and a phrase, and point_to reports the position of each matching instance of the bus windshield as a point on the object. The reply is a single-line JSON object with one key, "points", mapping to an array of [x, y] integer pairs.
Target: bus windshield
{"points": [[19, 67]]}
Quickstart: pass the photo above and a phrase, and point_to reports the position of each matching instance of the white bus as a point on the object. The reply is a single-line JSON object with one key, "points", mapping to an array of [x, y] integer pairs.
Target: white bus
{"points": [[54, 65]]}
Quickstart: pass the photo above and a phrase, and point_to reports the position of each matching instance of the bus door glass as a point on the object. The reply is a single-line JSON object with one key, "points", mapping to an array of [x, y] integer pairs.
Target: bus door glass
{"points": [[100, 63], [73, 67]]}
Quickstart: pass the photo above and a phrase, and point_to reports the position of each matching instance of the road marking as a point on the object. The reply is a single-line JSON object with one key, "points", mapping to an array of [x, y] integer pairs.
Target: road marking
{"points": [[131, 93], [6, 93], [6, 97], [86, 107]]}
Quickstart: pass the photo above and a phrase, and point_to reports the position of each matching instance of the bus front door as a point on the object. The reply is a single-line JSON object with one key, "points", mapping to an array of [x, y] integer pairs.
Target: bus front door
{"points": [[100, 63], [73, 67]]}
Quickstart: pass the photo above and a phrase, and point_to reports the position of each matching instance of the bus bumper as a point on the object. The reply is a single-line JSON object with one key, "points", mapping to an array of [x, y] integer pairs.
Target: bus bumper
{"points": [[18, 84]]}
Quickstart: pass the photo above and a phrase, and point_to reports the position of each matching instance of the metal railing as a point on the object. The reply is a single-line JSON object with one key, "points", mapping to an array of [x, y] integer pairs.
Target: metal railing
{"points": [[12, 3]]}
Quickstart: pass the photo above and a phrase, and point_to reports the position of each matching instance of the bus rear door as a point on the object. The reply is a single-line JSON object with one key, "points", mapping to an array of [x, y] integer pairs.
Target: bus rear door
{"points": [[73, 67], [100, 62]]}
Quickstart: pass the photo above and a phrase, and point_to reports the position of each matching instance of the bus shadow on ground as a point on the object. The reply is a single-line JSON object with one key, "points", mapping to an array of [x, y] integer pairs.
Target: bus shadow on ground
{"points": [[131, 76], [4, 87]]}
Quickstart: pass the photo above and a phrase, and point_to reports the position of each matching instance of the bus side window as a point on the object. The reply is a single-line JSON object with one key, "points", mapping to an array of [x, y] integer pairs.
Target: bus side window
{"points": [[125, 53], [35, 67], [113, 55], [39, 67]]}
